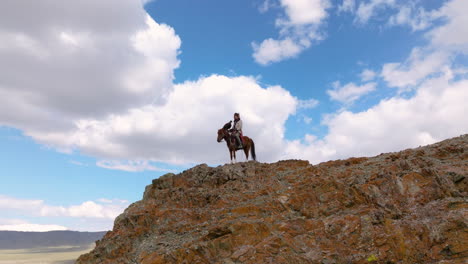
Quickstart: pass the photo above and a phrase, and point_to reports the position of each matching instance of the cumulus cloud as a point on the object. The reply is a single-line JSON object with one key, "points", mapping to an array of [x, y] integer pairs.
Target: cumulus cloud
{"points": [[78, 163], [303, 12], [184, 129], [108, 209], [367, 75], [12, 221], [272, 50], [436, 112], [88, 216], [350, 92], [297, 29], [368, 9], [120, 104], [415, 18], [32, 227], [102, 84], [63, 60], [418, 66], [12, 224], [306, 119], [445, 43], [347, 6], [453, 34], [18, 204], [307, 104], [397, 13], [266, 5], [130, 166], [88, 209]]}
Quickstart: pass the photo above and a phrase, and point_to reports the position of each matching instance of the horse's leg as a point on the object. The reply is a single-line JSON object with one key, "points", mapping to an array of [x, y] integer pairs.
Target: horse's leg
{"points": [[230, 153], [246, 150], [234, 151]]}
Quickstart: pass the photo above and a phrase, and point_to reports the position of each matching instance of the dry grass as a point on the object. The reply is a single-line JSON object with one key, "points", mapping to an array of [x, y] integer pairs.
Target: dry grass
{"points": [[48, 255]]}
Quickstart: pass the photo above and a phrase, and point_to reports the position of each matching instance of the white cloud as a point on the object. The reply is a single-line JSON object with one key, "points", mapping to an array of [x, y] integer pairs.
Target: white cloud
{"points": [[92, 209], [124, 129], [367, 10], [445, 42], [347, 6], [453, 35], [303, 12], [88, 209], [102, 84], [398, 13], [144, 2], [12, 221], [78, 163], [436, 112], [402, 17], [272, 50], [130, 166], [432, 114], [266, 5], [61, 61], [298, 29], [350, 92], [177, 131], [88, 216], [418, 66], [12, 203], [32, 227], [416, 18], [307, 119], [108, 201], [367, 75], [307, 104]]}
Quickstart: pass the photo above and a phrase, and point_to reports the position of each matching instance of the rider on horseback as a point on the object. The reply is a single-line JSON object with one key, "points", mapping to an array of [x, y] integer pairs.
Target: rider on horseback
{"points": [[235, 140], [237, 129]]}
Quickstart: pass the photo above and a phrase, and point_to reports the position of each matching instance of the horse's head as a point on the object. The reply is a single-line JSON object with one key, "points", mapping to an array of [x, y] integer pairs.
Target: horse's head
{"points": [[221, 134]]}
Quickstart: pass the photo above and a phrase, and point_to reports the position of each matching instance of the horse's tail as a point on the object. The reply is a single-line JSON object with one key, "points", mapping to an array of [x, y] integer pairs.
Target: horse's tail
{"points": [[252, 151]]}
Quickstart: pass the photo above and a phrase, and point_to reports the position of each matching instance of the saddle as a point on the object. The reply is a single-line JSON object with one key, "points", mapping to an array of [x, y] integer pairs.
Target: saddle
{"points": [[233, 139]]}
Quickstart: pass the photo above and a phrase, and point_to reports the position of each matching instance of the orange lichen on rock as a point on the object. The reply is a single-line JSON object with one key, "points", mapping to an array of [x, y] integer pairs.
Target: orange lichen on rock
{"points": [[406, 207]]}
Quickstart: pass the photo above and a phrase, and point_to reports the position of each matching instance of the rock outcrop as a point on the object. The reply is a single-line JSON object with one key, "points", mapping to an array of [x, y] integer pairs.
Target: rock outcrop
{"points": [[405, 207]]}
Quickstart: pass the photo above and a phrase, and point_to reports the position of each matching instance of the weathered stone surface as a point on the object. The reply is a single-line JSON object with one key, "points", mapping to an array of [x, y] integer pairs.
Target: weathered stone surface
{"points": [[405, 207]]}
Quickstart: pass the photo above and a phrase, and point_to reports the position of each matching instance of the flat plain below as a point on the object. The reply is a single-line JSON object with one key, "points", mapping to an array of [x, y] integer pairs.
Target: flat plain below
{"points": [[44, 255]]}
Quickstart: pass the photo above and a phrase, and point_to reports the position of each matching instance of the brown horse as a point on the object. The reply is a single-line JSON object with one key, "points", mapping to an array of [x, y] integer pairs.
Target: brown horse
{"points": [[248, 143]]}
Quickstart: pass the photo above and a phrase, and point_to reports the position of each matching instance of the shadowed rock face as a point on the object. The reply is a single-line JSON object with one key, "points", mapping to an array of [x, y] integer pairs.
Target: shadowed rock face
{"points": [[405, 207]]}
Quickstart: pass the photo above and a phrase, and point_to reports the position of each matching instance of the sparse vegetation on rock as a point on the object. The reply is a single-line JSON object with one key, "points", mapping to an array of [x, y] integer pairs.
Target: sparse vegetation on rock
{"points": [[405, 207]]}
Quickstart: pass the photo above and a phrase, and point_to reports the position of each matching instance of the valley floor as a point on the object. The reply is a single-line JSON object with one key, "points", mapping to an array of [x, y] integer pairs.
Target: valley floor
{"points": [[47, 255]]}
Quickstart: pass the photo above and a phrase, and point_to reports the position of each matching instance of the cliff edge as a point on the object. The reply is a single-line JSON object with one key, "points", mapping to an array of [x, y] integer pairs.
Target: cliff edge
{"points": [[404, 207]]}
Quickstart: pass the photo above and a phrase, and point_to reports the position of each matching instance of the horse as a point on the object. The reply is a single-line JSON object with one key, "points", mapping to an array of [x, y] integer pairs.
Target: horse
{"points": [[247, 143]]}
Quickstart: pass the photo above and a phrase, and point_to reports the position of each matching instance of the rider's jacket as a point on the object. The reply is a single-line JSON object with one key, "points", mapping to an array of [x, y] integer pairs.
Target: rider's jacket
{"points": [[238, 125]]}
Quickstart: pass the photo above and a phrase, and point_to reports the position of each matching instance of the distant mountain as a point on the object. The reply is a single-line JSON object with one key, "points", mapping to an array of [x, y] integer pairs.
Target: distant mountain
{"points": [[20, 240]]}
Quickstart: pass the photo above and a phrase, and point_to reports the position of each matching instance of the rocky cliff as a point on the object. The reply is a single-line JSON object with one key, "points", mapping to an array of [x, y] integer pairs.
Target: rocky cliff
{"points": [[405, 207]]}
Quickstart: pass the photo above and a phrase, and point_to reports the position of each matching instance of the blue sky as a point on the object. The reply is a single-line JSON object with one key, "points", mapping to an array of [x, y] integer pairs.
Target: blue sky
{"points": [[99, 98]]}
